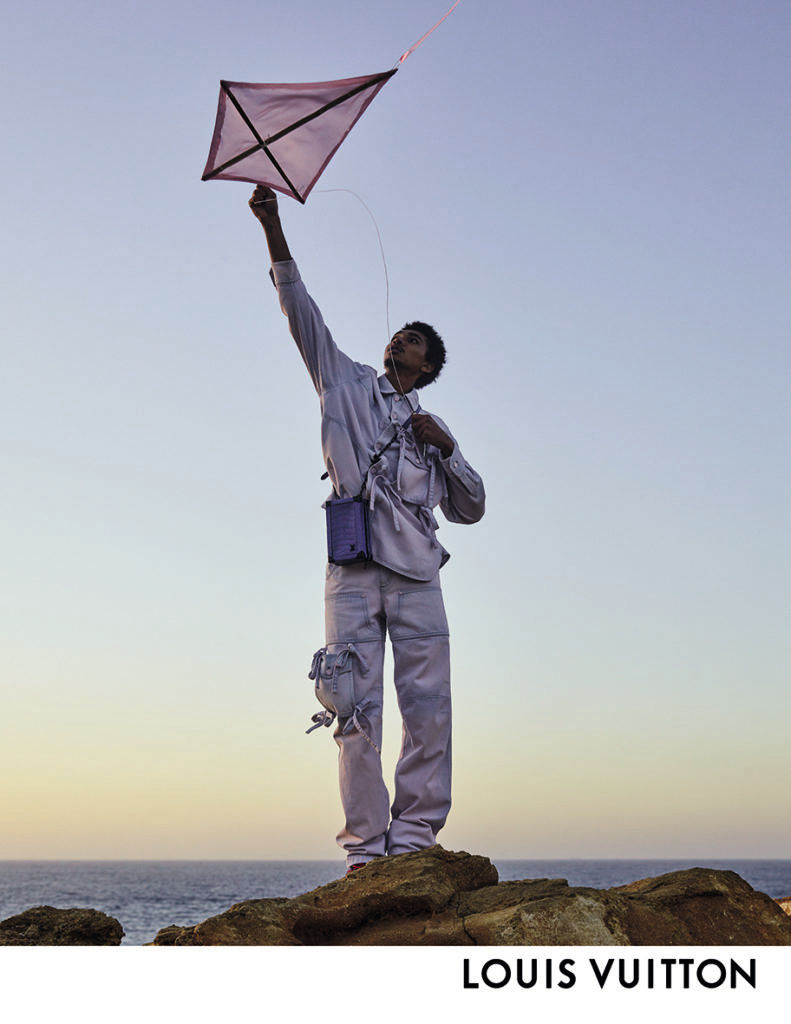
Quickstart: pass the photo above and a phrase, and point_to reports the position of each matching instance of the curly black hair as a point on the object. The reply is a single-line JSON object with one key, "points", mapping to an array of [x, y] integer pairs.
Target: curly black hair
{"points": [[435, 351]]}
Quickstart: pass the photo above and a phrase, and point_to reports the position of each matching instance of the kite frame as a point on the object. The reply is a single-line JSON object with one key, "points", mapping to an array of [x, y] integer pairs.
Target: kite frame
{"points": [[374, 82]]}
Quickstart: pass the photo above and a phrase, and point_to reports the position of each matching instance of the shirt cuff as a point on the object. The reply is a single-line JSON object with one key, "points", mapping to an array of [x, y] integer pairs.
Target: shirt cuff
{"points": [[285, 272], [455, 462]]}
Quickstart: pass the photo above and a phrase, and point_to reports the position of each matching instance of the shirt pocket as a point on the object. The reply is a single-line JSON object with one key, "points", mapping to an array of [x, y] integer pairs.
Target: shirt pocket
{"points": [[415, 477]]}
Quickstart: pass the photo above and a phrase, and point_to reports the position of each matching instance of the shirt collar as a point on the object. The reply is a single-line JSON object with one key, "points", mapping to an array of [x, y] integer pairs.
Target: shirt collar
{"points": [[387, 389]]}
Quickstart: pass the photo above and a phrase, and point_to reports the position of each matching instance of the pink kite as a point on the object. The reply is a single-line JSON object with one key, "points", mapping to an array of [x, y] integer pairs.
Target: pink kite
{"points": [[285, 135]]}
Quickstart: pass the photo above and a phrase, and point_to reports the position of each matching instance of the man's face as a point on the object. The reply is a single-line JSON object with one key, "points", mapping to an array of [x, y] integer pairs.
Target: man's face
{"points": [[408, 353]]}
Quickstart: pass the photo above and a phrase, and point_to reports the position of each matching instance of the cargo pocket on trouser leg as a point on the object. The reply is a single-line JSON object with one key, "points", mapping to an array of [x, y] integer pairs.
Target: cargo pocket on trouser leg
{"points": [[334, 687]]}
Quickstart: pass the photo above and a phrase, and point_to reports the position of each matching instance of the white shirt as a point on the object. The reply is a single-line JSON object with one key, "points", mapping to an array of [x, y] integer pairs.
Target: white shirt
{"points": [[360, 413]]}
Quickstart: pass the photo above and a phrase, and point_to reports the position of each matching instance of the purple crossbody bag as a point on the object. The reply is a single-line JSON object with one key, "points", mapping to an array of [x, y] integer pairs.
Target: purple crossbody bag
{"points": [[348, 531]]}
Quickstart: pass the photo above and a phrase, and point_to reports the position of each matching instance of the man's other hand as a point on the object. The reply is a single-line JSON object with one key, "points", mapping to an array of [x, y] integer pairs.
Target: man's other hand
{"points": [[428, 431]]}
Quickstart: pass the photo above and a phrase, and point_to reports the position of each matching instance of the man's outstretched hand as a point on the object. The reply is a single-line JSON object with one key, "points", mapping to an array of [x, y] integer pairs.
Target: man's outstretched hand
{"points": [[428, 431], [263, 203]]}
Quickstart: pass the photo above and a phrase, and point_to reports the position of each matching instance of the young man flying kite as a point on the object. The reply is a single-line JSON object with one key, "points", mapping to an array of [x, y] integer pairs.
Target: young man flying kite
{"points": [[399, 462]]}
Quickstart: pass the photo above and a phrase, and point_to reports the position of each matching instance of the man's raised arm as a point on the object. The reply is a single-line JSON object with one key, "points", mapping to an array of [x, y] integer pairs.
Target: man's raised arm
{"points": [[327, 365], [263, 203]]}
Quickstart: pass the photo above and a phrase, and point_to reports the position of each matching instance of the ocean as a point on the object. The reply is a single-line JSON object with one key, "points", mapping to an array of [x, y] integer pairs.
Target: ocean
{"points": [[148, 895]]}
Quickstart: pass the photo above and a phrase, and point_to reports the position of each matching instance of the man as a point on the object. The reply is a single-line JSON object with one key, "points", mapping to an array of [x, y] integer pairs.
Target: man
{"points": [[378, 442]]}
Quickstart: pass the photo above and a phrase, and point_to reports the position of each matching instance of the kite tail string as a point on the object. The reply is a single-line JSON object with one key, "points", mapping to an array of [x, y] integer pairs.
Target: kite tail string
{"points": [[422, 39], [381, 248]]}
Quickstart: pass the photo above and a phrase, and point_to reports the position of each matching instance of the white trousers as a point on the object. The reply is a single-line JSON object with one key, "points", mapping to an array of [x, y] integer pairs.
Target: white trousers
{"points": [[363, 603]]}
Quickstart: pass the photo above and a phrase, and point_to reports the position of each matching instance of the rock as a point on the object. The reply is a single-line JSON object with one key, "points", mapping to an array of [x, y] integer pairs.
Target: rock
{"points": [[703, 907], [437, 897], [393, 901], [48, 926], [785, 903]]}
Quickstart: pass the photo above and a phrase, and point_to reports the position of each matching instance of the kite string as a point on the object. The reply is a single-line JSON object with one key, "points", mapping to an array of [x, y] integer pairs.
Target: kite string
{"points": [[381, 248], [423, 38]]}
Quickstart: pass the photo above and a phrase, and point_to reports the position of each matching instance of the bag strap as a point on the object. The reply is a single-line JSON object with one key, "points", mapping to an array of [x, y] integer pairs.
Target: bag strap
{"points": [[378, 454]]}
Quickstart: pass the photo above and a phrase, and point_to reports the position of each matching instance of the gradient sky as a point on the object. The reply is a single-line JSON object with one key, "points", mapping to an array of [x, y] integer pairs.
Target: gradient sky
{"points": [[591, 202]]}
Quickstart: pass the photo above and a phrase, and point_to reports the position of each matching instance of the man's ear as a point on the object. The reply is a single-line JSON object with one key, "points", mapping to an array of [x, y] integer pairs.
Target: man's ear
{"points": [[427, 368]]}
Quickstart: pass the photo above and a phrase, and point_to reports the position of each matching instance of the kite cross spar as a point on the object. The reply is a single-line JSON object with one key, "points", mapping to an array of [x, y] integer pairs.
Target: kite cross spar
{"points": [[284, 135]]}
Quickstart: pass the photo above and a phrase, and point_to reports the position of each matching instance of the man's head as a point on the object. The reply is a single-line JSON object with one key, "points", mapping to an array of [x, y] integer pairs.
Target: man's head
{"points": [[416, 352]]}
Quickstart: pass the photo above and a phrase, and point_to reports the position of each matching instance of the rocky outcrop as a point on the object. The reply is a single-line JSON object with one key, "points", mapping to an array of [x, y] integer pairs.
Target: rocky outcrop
{"points": [[48, 926], [785, 903], [436, 897]]}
